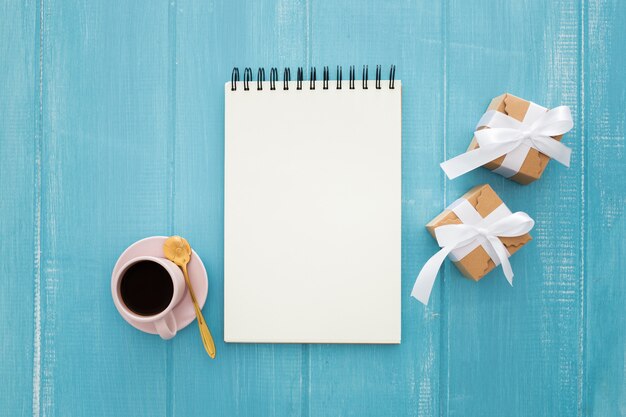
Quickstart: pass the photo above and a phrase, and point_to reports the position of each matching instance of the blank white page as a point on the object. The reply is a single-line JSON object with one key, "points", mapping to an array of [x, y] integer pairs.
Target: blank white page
{"points": [[312, 214]]}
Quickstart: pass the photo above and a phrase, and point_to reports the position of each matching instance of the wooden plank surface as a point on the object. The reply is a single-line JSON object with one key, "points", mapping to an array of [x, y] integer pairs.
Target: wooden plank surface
{"points": [[111, 129], [604, 382], [20, 161], [516, 351], [105, 184]]}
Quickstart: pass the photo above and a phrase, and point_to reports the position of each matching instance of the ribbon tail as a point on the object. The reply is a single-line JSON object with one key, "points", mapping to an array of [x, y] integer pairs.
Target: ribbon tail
{"points": [[426, 278], [503, 257], [508, 271], [566, 157], [468, 161]]}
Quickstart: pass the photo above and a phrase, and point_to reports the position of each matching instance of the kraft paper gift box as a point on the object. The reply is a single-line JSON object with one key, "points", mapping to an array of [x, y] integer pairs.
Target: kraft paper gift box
{"points": [[515, 138], [477, 232], [477, 263], [535, 162]]}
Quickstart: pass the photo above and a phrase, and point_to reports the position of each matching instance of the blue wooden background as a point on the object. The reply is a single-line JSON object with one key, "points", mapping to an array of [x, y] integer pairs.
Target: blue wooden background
{"points": [[111, 129]]}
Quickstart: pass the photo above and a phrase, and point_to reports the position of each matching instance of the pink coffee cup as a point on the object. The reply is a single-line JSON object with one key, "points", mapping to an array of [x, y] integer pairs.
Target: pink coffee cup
{"points": [[164, 322]]}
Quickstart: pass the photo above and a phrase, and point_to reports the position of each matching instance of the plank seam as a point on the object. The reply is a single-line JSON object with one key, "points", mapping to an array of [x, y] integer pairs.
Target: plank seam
{"points": [[171, 167], [444, 345], [583, 213], [38, 134]]}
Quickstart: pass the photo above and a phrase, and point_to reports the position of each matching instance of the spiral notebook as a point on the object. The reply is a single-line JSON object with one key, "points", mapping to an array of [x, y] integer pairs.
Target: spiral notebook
{"points": [[312, 211]]}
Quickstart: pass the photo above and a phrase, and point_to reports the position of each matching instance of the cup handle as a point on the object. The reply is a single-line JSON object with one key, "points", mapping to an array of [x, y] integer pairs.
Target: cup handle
{"points": [[166, 327]]}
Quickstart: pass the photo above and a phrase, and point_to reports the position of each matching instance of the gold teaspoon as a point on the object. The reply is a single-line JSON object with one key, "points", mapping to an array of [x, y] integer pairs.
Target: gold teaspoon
{"points": [[177, 250]]}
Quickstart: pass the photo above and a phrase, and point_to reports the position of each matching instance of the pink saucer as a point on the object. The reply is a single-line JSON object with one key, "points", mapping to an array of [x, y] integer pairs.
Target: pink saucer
{"points": [[183, 311]]}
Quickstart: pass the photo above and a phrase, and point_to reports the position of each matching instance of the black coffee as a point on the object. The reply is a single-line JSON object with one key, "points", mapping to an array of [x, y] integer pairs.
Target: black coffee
{"points": [[146, 288]]}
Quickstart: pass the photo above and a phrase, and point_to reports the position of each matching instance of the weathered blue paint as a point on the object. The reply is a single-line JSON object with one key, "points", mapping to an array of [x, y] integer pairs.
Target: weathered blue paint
{"points": [[111, 129]]}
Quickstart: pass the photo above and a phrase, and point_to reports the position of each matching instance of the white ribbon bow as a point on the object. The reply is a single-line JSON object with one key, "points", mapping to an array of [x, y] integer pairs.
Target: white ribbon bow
{"points": [[507, 134], [452, 236]]}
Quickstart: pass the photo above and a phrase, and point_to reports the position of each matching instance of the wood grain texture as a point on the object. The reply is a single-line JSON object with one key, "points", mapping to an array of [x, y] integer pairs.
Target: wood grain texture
{"points": [[604, 382], [111, 129], [105, 184], [516, 351], [19, 206]]}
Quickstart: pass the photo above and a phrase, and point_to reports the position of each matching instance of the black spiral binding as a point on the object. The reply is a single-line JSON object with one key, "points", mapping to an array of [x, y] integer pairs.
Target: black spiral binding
{"points": [[260, 79], [299, 79], [365, 77], [326, 77], [352, 77], [312, 77], [234, 78], [247, 78], [286, 79], [273, 78], [339, 76]]}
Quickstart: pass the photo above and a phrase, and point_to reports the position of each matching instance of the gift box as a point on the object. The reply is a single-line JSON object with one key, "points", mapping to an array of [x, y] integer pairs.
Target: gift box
{"points": [[477, 263], [535, 162], [515, 138], [477, 232]]}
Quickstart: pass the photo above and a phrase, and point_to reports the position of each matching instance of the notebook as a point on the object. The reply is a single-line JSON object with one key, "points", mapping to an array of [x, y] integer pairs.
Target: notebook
{"points": [[312, 210]]}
